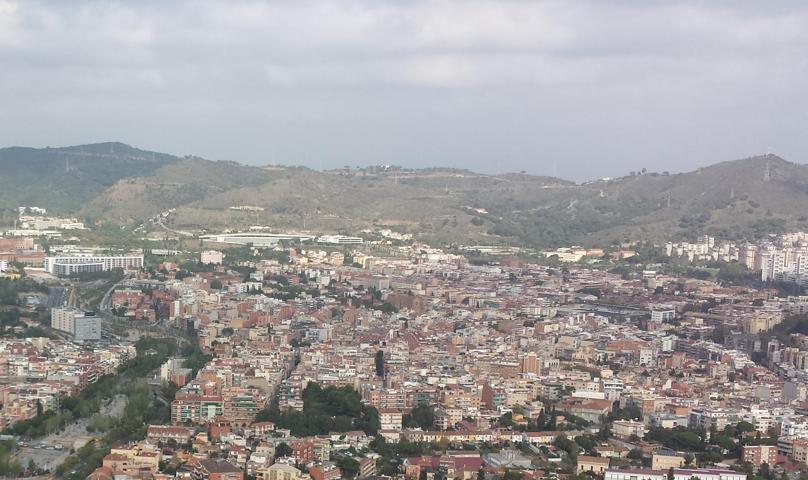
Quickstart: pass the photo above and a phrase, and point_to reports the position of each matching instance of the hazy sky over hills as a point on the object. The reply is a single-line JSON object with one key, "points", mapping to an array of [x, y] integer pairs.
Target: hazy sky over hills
{"points": [[582, 89]]}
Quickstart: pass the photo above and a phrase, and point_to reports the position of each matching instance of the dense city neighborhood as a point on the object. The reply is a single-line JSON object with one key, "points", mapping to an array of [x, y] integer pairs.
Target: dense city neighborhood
{"points": [[403, 240], [326, 357]]}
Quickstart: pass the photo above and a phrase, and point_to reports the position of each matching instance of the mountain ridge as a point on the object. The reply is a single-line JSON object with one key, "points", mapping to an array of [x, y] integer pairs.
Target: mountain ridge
{"points": [[114, 182]]}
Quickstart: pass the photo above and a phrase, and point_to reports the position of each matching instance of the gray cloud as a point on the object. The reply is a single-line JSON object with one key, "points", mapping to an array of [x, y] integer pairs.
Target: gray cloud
{"points": [[584, 89]]}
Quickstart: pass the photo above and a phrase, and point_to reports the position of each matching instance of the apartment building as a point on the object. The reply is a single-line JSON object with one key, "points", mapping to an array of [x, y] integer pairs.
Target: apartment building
{"points": [[66, 265]]}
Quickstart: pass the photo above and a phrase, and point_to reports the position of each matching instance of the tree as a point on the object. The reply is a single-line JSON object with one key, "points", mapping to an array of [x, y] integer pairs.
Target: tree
{"points": [[386, 307], [443, 444], [724, 441], [595, 292], [744, 427], [711, 456], [216, 284], [587, 442], [380, 363], [541, 421], [689, 459], [630, 412], [348, 465], [421, 416], [764, 471], [512, 475], [635, 454], [605, 432], [720, 334], [678, 438], [330, 409], [283, 450], [567, 445]]}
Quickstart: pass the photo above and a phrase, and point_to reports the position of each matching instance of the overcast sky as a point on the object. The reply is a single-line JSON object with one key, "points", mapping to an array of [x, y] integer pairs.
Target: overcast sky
{"points": [[580, 89]]}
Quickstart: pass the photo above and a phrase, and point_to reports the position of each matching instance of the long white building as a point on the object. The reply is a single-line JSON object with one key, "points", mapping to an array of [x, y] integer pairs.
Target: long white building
{"points": [[65, 265], [340, 240], [678, 474], [256, 239]]}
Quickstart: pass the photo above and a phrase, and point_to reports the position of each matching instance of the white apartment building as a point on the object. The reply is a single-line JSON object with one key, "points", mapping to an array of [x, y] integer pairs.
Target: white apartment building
{"points": [[211, 257], [82, 263], [63, 319], [340, 240], [777, 263], [84, 326], [761, 418], [634, 474], [707, 474], [627, 428], [662, 315], [612, 388], [794, 426], [678, 474]]}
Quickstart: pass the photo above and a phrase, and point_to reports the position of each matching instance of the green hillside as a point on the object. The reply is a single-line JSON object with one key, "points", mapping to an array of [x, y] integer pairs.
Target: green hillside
{"points": [[116, 183], [181, 182], [64, 179]]}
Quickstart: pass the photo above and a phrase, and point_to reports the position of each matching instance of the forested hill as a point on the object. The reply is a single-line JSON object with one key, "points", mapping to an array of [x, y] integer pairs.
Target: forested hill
{"points": [[64, 179], [117, 183]]}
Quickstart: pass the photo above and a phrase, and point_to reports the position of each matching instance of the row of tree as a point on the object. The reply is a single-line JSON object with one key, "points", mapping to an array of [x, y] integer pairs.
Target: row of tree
{"points": [[151, 353], [330, 409]]}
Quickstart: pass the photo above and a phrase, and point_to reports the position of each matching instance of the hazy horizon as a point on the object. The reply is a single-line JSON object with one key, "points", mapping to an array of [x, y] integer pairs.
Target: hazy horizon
{"points": [[579, 90], [438, 167]]}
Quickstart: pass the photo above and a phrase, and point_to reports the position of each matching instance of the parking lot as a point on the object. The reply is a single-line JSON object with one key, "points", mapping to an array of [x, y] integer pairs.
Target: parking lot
{"points": [[51, 451], [44, 456]]}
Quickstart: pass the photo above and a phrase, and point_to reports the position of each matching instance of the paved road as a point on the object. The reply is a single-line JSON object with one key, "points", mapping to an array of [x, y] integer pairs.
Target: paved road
{"points": [[72, 297], [104, 305], [57, 297], [178, 232]]}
